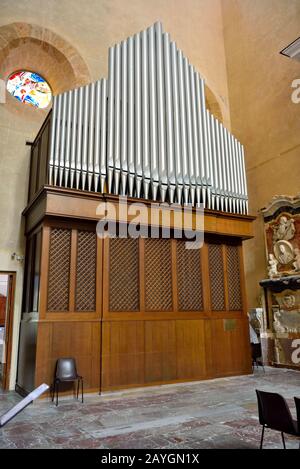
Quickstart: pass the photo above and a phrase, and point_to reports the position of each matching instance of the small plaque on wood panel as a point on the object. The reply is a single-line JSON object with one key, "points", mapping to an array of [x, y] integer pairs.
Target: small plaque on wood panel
{"points": [[229, 324]]}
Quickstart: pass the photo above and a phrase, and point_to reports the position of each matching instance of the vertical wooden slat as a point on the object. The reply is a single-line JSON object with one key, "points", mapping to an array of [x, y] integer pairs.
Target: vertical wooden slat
{"points": [[99, 277], [242, 280], [73, 263], [44, 270], [203, 253], [142, 274], [105, 301], [226, 293], [174, 273]]}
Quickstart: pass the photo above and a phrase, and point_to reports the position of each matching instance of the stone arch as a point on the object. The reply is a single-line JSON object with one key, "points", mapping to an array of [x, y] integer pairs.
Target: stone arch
{"points": [[33, 47], [212, 104]]}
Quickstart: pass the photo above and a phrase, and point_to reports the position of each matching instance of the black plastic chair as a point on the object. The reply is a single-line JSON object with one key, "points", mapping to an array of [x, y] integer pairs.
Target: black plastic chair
{"points": [[256, 355], [66, 372], [275, 414]]}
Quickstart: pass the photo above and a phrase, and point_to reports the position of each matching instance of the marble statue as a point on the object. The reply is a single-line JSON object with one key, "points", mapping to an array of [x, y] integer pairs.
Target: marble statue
{"points": [[296, 264], [284, 230], [272, 268], [278, 327]]}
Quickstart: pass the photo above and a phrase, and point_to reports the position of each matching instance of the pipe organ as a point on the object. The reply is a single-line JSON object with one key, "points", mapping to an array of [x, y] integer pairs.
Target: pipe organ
{"points": [[145, 132], [135, 312]]}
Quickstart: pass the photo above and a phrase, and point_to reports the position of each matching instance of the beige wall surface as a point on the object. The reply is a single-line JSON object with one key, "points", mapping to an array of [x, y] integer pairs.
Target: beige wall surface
{"points": [[68, 40], [263, 115]]}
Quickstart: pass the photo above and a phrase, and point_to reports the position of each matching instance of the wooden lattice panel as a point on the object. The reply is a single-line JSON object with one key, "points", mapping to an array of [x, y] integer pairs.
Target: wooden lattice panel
{"points": [[86, 271], [59, 269], [158, 275], [189, 278], [216, 273], [234, 277], [123, 274]]}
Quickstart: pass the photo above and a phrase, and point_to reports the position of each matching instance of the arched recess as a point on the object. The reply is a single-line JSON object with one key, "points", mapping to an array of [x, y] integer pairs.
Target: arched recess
{"points": [[212, 104], [25, 46]]}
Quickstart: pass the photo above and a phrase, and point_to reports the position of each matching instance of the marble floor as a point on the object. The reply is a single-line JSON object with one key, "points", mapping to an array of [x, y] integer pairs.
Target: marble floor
{"points": [[220, 413]]}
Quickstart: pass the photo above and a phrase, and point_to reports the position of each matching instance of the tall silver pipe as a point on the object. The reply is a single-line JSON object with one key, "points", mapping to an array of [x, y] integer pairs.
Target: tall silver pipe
{"points": [[84, 153], [110, 129], [184, 152], [169, 118], [176, 110], [117, 120], [52, 140], [145, 115], [210, 159], [224, 202], [199, 115], [79, 137], [190, 149], [235, 188], [74, 136], [103, 133], [97, 130], [207, 181], [124, 161], [57, 139], [228, 166], [138, 115], [161, 112], [62, 138], [91, 132], [153, 114], [68, 136], [221, 173], [245, 205], [131, 165], [215, 169], [195, 135]]}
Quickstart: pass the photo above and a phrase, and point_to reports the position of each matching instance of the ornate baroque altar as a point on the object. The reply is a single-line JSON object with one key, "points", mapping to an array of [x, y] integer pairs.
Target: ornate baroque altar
{"points": [[280, 323]]}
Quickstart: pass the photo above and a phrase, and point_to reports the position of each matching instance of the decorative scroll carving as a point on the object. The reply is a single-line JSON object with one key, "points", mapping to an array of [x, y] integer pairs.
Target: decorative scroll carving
{"points": [[158, 274], [216, 272], [123, 274], [189, 278], [86, 271], [59, 269]]}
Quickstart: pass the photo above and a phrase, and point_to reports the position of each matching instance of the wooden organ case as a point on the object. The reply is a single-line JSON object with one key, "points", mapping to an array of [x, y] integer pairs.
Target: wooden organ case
{"points": [[145, 311]]}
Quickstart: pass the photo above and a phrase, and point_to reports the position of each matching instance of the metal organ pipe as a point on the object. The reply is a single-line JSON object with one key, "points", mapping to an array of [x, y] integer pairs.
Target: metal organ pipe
{"points": [[195, 137], [123, 156], [145, 115], [131, 165], [97, 131], [169, 118], [177, 140], [138, 116]]}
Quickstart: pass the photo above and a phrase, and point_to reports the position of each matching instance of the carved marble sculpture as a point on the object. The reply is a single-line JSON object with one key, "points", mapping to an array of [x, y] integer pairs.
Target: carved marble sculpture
{"points": [[296, 264], [278, 327], [272, 268], [284, 230]]}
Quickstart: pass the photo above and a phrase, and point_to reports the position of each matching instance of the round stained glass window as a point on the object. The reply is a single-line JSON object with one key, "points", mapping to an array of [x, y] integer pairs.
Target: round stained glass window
{"points": [[30, 88]]}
